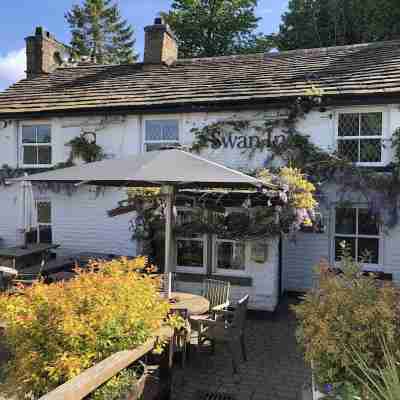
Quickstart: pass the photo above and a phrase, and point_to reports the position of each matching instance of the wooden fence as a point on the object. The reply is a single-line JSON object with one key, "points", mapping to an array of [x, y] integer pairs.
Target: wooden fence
{"points": [[89, 380]]}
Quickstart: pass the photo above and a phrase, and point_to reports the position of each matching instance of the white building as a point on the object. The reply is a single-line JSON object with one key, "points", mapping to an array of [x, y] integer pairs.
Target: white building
{"points": [[143, 106]]}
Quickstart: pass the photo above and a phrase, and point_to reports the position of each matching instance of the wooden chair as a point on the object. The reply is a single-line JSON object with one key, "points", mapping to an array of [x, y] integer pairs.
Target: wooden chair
{"points": [[229, 330], [217, 293]]}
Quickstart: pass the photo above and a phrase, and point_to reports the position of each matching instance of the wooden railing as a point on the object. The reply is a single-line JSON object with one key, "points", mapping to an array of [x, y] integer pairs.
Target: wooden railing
{"points": [[89, 380]]}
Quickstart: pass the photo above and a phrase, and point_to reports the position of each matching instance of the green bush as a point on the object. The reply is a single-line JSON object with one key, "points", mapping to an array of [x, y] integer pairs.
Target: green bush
{"points": [[56, 331], [347, 311]]}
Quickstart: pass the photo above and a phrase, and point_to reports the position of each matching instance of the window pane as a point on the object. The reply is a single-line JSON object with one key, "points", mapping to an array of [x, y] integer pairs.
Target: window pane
{"points": [[367, 223], [230, 256], [162, 130], [159, 146], [44, 212], [346, 221], [30, 155], [32, 237], [170, 130], [45, 234], [28, 134], [153, 130], [43, 134], [350, 245], [368, 250], [190, 253], [349, 149], [370, 150], [44, 154], [371, 124], [349, 125]]}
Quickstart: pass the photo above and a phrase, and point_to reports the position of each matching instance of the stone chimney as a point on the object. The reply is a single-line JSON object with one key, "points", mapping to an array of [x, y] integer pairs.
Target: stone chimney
{"points": [[160, 44], [43, 53]]}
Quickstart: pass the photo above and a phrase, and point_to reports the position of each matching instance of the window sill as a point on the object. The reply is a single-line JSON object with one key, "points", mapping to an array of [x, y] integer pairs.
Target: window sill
{"points": [[198, 278]]}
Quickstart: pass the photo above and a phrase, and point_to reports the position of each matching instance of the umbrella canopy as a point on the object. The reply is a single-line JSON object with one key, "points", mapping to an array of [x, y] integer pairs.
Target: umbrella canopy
{"points": [[27, 209], [169, 169], [156, 168]]}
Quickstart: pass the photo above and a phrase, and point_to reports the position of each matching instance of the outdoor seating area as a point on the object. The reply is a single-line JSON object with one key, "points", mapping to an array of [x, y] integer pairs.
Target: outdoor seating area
{"points": [[274, 370], [226, 350]]}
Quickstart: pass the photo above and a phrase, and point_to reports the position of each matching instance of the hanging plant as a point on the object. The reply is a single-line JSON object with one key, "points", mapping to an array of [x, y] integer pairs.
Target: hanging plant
{"points": [[88, 151]]}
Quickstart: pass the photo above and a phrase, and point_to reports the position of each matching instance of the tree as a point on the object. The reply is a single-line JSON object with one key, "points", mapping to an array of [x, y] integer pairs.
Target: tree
{"points": [[208, 28], [320, 23], [98, 31]]}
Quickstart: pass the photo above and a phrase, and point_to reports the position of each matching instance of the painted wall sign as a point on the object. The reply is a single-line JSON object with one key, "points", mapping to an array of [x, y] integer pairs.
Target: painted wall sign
{"points": [[233, 140]]}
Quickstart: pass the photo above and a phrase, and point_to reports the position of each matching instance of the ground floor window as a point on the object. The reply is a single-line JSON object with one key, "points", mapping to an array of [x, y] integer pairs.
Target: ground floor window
{"points": [[361, 231], [229, 255], [190, 253], [43, 233], [195, 253]]}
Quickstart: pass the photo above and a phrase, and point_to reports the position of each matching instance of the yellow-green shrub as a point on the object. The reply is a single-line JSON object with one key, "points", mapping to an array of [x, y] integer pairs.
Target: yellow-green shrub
{"points": [[56, 331], [348, 311]]}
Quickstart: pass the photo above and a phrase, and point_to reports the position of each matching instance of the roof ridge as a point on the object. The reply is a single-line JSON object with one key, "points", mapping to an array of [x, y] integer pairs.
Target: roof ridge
{"points": [[294, 51], [239, 56]]}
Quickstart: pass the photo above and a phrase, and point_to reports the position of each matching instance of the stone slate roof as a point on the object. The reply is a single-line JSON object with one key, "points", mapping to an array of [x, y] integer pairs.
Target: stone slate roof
{"points": [[358, 70]]}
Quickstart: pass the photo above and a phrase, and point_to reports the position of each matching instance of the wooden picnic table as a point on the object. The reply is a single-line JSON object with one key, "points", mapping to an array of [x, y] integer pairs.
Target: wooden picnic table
{"points": [[18, 257], [195, 304]]}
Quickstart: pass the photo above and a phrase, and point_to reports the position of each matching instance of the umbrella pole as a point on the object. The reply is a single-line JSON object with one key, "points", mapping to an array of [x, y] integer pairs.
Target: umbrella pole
{"points": [[169, 191]]}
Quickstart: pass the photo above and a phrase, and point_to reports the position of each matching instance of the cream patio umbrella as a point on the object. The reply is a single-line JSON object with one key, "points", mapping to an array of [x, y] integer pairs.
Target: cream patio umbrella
{"points": [[168, 169], [27, 220]]}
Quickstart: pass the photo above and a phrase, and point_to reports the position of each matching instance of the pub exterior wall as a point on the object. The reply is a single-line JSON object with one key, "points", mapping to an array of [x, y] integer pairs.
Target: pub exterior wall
{"points": [[80, 221]]}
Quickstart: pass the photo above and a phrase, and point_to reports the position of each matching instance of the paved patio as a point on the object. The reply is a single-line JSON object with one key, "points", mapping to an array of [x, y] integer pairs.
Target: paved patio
{"points": [[275, 369]]}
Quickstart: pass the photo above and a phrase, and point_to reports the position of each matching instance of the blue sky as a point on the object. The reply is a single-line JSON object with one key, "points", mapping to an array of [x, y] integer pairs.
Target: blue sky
{"points": [[19, 17]]}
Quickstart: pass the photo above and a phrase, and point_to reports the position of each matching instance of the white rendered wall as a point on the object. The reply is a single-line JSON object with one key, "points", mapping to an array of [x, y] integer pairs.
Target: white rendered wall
{"points": [[80, 223]]}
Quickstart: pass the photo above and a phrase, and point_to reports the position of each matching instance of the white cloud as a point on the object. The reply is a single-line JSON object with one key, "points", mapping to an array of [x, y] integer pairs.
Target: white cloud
{"points": [[12, 67]]}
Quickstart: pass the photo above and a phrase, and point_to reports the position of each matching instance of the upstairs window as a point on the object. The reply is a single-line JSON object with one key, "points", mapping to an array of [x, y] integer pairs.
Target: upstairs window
{"points": [[360, 230], [160, 134], [36, 145], [359, 137]]}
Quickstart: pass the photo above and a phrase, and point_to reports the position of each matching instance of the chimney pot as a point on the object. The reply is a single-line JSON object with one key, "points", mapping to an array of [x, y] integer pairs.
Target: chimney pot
{"points": [[160, 44]]}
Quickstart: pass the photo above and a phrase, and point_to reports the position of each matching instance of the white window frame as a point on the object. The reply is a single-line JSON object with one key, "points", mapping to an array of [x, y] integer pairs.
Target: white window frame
{"points": [[44, 223], [160, 118], [224, 271], [384, 137], [366, 266], [200, 238], [22, 145]]}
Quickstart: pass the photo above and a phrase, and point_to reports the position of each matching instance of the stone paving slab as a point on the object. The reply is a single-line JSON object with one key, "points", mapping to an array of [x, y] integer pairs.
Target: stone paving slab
{"points": [[274, 371]]}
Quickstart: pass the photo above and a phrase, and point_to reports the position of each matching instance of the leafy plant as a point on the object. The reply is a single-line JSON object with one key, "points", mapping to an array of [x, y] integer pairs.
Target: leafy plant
{"points": [[56, 331], [347, 310], [119, 386], [88, 152], [379, 382]]}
